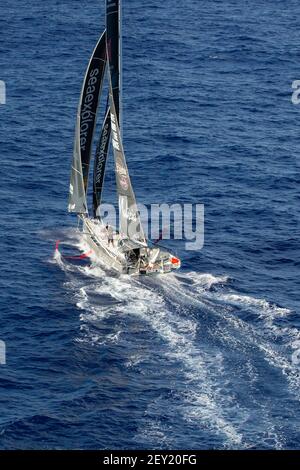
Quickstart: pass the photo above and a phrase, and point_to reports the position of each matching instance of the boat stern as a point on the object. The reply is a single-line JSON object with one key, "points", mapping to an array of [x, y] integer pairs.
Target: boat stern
{"points": [[160, 262]]}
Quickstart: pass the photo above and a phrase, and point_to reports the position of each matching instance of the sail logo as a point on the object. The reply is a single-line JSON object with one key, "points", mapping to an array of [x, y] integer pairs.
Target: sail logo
{"points": [[115, 137], [101, 159], [122, 174], [87, 114], [120, 167], [2, 92]]}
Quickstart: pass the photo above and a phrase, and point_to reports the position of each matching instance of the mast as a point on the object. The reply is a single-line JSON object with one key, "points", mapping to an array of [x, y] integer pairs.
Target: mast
{"points": [[129, 218], [113, 25], [120, 69], [114, 57]]}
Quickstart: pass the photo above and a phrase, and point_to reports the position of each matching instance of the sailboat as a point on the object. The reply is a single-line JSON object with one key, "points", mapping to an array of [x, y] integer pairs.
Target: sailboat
{"points": [[126, 248]]}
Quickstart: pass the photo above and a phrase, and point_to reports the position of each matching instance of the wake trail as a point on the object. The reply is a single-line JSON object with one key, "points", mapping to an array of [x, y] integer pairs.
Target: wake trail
{"points": [[262, 330], [176, 307], [200, 401]]}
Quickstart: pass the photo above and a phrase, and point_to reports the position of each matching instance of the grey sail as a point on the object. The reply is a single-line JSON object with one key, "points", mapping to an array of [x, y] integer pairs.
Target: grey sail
{"points": [[100, 163], [129, 217], [85, 126], [77, 195]]}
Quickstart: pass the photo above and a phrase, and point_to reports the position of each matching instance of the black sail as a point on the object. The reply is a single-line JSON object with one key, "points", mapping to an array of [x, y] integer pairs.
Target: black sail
{"points": [[85, 125], [100, 162], [89, 103], [113, 59], [113, 49]]}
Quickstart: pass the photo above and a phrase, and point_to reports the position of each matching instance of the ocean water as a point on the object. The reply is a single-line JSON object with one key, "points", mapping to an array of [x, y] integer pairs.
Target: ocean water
{"points": [[198, 359]]}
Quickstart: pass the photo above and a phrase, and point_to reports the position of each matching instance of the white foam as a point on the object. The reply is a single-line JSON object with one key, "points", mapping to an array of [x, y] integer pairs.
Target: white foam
{"points": [[94, 270], [203, 403], [262, 307], [135, 359], [264, 335], [57, 257], [206, 280], [179, 332]]}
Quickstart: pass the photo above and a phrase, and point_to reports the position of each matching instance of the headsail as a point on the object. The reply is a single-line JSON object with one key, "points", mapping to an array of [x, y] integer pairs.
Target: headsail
{"points": [[100, 162], [85, 125], [77, 196], [129, 217], [113, 34]]}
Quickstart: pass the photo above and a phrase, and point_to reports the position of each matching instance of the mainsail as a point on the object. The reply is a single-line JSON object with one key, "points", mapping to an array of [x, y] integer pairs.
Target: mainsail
{"points": [[129, 217], [100, 162], [85, 125]]}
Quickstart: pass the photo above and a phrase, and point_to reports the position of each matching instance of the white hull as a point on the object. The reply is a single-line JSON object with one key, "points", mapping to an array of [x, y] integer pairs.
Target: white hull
{"points": [[100, 247], [113, 256]]}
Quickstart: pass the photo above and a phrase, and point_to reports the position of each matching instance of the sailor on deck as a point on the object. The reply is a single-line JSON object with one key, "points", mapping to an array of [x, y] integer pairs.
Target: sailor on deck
{"points": [[110, 234]]}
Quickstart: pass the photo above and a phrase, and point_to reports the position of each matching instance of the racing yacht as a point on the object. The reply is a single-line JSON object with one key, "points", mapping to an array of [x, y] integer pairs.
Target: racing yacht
{"points": [[124, 248]]}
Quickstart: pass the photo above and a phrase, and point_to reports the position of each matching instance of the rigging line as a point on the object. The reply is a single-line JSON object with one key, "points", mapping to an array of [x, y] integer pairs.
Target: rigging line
{"points": [[107, 104]]}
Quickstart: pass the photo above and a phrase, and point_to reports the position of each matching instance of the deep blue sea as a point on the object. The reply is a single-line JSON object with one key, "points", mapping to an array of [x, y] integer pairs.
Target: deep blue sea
{"points": [[198, 359]]}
